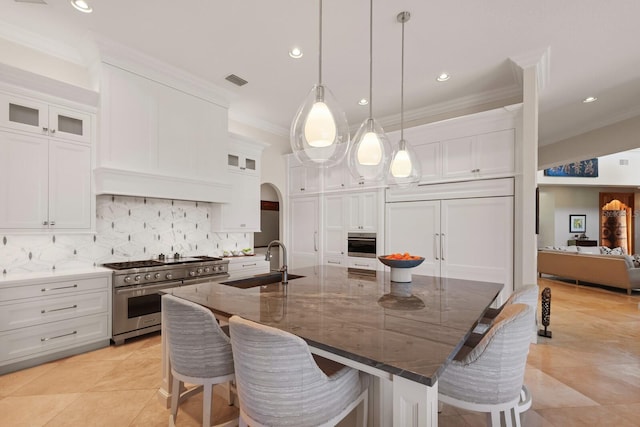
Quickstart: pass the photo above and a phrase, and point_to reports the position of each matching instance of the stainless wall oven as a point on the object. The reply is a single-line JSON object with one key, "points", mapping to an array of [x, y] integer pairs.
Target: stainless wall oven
{"points": [[361, 245], [137, 303]]}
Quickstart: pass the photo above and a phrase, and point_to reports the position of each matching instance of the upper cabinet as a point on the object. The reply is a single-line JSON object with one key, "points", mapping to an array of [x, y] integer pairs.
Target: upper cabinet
{"points": [[37, 117], [486, 154], [158, 140], [45, 165], [302, 180], [242, 213]]}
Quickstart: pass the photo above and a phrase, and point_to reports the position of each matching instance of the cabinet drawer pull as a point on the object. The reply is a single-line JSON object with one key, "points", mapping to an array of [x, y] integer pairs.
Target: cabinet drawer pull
{"points": [[249, 265], [243, 225], [45, 222], [52, 223], [59, 309], [361, 265], [53, 131], [334, 262], [58, 336], [44, 129], [61, 287]]}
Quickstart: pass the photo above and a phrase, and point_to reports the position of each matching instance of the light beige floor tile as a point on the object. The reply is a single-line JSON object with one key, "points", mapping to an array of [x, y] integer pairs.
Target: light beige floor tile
{"points": [[16, 411], [11, 382], [548, 392], [600, 416], [68, 378], [103, 409], [132, 374]]}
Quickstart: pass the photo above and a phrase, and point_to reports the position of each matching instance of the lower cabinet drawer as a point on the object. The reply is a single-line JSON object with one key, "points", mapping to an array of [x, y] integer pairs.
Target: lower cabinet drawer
{"points": [[248, 268], [44, 310], [336, 261], [49, 288], [363, 263], [55, 336]]}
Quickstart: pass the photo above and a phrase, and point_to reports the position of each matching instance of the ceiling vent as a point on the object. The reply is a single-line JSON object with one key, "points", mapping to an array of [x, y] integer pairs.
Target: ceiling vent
{"points": [[238, 81], [624, 162], [31, 1]]}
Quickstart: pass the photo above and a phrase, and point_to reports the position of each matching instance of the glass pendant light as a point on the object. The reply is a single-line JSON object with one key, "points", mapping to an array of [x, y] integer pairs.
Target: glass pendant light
{"points": [[320, 132], [405, 165], [369, 152]]}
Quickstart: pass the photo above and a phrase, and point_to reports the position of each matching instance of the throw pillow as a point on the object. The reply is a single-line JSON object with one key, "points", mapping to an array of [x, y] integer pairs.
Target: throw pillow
{"points": [[636, 260], [609, 251]]}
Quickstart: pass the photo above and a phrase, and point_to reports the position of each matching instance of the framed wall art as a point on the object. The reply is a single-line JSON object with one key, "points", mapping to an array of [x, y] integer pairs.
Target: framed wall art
{"points": [[577, 223]]}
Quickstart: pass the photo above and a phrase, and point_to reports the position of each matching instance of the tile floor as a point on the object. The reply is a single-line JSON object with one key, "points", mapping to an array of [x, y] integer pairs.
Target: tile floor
{"points": [[588, 374]]}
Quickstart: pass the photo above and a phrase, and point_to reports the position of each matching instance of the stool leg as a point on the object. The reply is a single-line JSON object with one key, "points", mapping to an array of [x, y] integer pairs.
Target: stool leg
{"points": [[175, 396], [206, 405]]}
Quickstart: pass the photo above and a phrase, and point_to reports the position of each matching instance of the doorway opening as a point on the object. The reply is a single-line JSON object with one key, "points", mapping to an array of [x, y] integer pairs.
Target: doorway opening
{"points": [[270, 220]]}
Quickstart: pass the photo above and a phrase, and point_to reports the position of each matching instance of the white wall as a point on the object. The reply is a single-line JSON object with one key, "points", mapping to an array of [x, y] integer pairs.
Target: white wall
{"points": [[610, 172]]}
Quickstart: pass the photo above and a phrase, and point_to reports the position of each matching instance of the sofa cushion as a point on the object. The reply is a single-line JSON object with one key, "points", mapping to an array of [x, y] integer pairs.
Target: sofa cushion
{"points": [[608, 251], [595, 250]]}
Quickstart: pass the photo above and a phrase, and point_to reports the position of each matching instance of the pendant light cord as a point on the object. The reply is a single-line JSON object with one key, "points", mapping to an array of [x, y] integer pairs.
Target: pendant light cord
{"points": [[402, 86], [371, 59], [320, 45]]}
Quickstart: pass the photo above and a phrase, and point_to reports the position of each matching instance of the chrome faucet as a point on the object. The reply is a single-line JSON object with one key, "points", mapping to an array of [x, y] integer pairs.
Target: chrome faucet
{"points": [[283, 269]]}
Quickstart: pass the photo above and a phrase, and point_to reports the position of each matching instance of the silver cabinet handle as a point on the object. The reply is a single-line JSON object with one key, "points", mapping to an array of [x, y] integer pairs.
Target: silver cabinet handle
{"points": [[334, 262], [59, 309], [243, 225], [249, 265], [52, 223], [53, 131], [361, 265], [436, 239], [315, 241], [58, 336], [45, 222], [44, 129], [61, 287], [442, 247]]}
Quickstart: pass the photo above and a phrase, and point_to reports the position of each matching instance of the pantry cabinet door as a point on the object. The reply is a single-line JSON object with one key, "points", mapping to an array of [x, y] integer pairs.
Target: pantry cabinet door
{"points": [[414, 227]]}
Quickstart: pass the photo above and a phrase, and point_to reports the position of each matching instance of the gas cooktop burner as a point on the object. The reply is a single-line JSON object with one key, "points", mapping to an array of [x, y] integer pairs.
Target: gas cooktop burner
{"points": [[133, 264]]}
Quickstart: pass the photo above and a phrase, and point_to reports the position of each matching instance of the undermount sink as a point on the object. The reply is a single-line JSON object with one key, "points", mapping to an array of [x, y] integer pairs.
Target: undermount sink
{"points": [[259, 280]]}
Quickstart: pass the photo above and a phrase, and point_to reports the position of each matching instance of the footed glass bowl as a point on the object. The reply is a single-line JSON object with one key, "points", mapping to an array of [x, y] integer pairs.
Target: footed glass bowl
{"points": [[401, 268]]}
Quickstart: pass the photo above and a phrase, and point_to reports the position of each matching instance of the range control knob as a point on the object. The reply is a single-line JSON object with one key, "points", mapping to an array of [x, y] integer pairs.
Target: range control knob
{"points": [[147, 276], [199, 270], [192, 273], [127, 279], [206, 269], [156, 276], [169, 276], [137, 278]]}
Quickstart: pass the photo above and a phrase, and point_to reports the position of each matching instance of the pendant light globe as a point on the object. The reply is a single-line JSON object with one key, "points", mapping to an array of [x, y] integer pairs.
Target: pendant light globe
{"points": [[404, 169], [368, 158], [319, 134]]}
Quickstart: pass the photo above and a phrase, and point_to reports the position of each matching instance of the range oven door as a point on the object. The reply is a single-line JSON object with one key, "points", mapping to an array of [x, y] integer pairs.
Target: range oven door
{"points": [[137, 308]]}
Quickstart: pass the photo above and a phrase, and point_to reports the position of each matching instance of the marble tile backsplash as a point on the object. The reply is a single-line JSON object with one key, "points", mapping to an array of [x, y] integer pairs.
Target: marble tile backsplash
{"points": [[127, 228]]}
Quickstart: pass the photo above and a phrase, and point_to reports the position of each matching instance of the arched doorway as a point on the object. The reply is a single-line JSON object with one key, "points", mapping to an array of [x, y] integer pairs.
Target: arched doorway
{"points": [[616, 220], [270, 220]]}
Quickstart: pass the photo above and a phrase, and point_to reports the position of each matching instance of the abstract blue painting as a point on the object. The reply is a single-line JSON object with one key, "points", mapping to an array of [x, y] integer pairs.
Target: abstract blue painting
{"points": [[582, 169]]}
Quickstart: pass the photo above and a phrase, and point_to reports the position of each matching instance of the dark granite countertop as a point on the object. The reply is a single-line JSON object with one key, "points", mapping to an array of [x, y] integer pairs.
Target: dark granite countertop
{"points": [[413, 332]]}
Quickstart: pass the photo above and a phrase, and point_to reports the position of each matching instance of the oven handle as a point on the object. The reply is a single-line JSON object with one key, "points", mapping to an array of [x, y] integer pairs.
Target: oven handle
{"points": [[361, 239], [150, 287]]}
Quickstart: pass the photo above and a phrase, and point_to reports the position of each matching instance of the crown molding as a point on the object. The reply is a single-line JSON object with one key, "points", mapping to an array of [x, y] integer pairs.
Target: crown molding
{"points": [[37, 42], [538, 59], [257, 123]]}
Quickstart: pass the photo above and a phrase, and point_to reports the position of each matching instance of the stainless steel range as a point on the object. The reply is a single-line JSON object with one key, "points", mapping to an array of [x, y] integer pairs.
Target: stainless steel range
{"points": [[136, 301]]}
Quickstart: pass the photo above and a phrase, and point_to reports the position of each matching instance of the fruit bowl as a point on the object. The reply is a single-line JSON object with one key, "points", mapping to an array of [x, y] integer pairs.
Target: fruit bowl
{"points": [[400, 263], [401, 268]]}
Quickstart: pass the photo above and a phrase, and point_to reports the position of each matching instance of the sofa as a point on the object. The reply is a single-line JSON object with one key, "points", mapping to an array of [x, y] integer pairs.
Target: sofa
{"points": [[584, 264]]}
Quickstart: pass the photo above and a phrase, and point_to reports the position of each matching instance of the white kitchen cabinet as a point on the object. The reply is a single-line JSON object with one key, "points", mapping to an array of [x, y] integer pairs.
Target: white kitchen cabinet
{"points": [[44, 183], [481, 155], [464, 238], [430, 156], [302, 179], [242, 213], [51, 317], [334, 231], [304, 232], [160, 141], [35, 116], [360, 263], [335, 178], [363, 212]]}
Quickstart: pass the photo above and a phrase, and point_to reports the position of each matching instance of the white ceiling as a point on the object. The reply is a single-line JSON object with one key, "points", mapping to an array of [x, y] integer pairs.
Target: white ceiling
{"points": [[593, 52]]}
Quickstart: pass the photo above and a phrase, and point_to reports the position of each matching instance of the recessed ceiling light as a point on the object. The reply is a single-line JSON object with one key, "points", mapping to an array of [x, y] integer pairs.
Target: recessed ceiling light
{"points": [[295, 53], [363, 101], [589, 99], [81, 5], [443, 77]]}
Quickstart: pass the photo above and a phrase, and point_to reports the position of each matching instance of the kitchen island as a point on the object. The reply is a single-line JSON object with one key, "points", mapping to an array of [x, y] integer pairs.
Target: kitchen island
{"points": [[402, 334]]}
